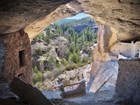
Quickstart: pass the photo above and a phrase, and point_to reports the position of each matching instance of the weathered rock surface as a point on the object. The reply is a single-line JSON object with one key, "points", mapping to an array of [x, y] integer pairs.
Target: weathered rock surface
{"points": [[107, 76], [104, 38], [23, 13], [128, 83], [28, 93], [122, 16]]}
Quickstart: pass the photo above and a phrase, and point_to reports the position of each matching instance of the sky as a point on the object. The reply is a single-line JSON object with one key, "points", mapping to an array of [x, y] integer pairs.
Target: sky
{"points": [[79, 16]]}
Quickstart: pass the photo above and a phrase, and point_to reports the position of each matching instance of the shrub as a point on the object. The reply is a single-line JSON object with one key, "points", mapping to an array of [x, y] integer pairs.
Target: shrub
{"points": [[38, 85], [64, 61], [49, 74], [71, 66], [37, 75], [58, 71], [47, 39], [35, 69], [66, 82], [73, 57], [77, 50], [85, 60], [39, 51]]}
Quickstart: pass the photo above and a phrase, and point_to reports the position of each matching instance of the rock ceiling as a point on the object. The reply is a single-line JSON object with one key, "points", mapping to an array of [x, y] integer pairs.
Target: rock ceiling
{"points": [[122, 16]]}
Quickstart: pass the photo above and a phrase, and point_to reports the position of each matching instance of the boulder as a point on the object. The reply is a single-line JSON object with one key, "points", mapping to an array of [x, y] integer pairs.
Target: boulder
{"points": [[107, 76]]}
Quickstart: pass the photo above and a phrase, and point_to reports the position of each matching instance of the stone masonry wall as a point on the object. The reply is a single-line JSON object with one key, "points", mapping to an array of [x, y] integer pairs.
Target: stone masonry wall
{"points": [[125, 48], [17, 56], [128, 83]]}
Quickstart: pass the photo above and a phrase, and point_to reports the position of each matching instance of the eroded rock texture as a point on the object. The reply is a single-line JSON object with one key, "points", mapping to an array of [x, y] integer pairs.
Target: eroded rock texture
{"points": [[128, 83], [17, 58], [122, 16], [18, 13]]}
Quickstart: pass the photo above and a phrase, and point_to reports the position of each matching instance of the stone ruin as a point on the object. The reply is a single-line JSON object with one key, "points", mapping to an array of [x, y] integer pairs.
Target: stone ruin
{"points": [[126, 50], [15, 60], [128, 82]]}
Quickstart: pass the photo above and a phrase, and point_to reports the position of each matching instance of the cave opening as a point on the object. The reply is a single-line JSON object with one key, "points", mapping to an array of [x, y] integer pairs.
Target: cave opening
{"points": [[61, 49], [46, 67]]}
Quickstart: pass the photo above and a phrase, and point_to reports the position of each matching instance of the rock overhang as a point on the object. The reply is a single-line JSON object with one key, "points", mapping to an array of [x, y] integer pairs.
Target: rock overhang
{"points": [[123, 17]]}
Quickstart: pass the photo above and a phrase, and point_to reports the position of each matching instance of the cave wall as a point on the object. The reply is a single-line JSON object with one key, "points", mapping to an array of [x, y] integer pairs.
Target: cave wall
{"points": [[2, 54], [34, 15], [128, 83], [101, 50], [17, 58]]}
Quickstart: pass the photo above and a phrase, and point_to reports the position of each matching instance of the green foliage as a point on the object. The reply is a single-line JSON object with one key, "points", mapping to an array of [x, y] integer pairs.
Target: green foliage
{"points": [[77, 50], [39, 51], [66, 82], [73, 57], [64, 61], [85, 60], [70, 57], [37, 75], [38, 37], [35, 69], [71, 66], [52, 59], [43, 37], [51, 63]]}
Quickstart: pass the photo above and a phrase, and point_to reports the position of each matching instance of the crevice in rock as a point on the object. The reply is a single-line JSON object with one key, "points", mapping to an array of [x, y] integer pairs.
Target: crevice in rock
{"points": [[127, 22], [129, 2]]}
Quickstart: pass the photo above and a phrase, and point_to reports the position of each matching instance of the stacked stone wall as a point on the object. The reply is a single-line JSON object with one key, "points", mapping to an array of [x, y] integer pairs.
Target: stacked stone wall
{"points": [[17, 58]]}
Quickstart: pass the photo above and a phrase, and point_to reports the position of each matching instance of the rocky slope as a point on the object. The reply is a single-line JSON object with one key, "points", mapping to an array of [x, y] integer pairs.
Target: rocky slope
{"points": [[68, 77]]}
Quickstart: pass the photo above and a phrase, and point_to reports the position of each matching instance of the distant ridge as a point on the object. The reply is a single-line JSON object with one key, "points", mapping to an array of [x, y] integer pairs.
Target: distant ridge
{"points": [[73, 18]]}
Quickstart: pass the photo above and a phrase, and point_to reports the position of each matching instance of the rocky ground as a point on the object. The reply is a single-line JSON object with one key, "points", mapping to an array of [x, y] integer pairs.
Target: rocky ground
{"points": [[70, 77], [102, 89]]}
